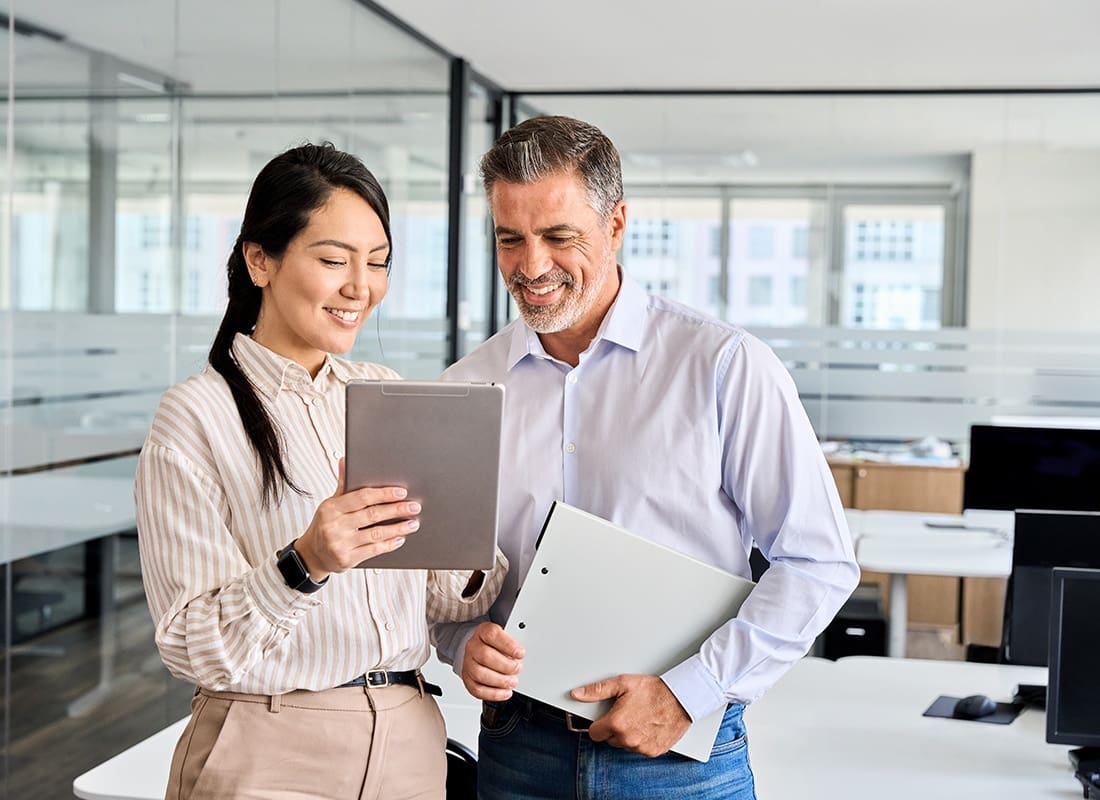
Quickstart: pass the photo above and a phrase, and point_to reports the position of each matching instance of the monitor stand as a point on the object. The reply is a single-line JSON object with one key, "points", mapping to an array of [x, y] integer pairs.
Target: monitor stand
{"points": [[1086, 764]]}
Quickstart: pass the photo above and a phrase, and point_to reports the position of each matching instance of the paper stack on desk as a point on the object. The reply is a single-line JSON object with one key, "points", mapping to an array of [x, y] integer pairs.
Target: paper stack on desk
{"points": [[599, 601]]}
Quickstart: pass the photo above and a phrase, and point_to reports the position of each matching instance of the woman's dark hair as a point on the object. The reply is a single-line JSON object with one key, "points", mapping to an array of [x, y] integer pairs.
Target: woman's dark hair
{"points": [[284, 195]]}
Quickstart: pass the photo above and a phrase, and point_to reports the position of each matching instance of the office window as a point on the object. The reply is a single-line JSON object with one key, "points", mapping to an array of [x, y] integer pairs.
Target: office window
{"points": [[672, 246], [893, 269], [651, 238], [760, 290], [783, 226], [153, 234], [800, 238], [798, 290], [761, 242]]}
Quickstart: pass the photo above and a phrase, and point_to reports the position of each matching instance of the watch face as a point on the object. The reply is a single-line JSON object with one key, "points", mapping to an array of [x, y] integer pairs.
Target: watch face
{"points": [[294, 571]]}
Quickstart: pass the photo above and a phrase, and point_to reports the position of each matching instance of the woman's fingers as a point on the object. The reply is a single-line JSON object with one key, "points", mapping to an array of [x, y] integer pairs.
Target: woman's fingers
{"points": [[382, 539], [366, 497]]}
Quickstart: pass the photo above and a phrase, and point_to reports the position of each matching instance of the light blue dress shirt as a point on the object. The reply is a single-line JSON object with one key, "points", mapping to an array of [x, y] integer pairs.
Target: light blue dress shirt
{"points": [[688, 431]]}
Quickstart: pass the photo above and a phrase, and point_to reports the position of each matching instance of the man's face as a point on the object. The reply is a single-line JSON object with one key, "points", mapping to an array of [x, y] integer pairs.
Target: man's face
{"points": [[556, 254]]}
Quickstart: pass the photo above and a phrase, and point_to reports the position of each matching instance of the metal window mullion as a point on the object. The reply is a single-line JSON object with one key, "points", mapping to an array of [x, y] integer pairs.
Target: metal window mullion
{"points": [[725, 227], [496, 104], [456, 204]]}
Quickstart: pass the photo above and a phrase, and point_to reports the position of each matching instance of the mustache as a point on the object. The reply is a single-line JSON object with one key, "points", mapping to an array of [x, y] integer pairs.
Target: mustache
{"points": [[519, 280]]}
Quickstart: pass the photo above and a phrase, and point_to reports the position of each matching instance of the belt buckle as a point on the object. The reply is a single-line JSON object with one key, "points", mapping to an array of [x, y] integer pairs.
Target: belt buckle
{"points": [[378, 678], [569, 726]]}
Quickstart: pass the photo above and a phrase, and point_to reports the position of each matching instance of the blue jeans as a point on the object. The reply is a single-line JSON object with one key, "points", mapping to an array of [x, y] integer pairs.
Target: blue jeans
{"points": [[524, 754]]}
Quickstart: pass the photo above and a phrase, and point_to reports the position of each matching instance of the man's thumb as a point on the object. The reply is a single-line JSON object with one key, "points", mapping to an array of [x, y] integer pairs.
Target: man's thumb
{"points": [[600, 690]]}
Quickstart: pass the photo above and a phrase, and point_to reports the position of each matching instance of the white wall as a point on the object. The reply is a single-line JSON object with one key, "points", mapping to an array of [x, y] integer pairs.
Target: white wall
{"points": [[1035, 238]]}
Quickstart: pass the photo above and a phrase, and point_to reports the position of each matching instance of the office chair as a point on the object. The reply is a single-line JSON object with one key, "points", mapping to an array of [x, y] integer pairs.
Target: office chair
{"points": [[461, 772]]}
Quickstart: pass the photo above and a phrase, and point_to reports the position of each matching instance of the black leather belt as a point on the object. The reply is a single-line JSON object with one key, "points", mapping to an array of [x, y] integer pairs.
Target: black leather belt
{"points": [[379, 678]]}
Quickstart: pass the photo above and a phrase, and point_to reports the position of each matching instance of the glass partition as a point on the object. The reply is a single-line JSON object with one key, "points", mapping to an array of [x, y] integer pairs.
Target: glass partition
{"points": [[915, 259], [137, 132]]}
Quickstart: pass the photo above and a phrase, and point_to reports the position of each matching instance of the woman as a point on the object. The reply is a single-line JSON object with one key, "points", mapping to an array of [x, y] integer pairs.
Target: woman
{"points": [[307, 671]]}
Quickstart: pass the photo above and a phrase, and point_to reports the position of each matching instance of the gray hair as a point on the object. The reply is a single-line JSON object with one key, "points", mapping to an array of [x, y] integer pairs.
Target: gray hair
{"points": [[545, 146]]}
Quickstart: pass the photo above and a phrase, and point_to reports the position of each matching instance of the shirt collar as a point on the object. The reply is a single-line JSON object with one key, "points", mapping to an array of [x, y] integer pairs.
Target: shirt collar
{"points": [[270, 372], [624, 325]]}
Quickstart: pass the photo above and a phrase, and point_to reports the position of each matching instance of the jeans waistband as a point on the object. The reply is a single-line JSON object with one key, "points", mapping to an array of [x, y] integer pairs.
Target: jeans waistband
{"points": [[533, 707]]}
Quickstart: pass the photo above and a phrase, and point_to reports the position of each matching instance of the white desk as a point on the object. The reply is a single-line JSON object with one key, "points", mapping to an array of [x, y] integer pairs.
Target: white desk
{"points": [[848, 729], [853, 729], [902, 543], [63, 507]]}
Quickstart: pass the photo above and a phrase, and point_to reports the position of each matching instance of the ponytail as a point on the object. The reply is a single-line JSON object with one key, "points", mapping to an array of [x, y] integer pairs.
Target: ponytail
{"points": [[240, 317]]}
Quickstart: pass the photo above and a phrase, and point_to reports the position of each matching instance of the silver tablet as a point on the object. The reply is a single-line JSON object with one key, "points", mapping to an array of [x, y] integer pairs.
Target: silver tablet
{"points": [[441, 441]]}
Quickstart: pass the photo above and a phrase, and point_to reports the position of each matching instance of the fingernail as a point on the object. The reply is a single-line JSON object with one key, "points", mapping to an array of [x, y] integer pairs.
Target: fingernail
{"points": [[399, 492], [414, 508], [398, 542], [412, 525]]}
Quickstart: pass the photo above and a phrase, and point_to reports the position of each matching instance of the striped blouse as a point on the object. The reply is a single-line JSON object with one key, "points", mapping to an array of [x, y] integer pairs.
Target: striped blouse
{"points": [[225, 619]]}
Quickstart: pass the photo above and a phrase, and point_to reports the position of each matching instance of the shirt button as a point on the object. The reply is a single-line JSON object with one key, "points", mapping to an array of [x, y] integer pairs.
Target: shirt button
{"points": [[572, 378], [570, 448], [335, 453], [377, 571], [390, 626]]}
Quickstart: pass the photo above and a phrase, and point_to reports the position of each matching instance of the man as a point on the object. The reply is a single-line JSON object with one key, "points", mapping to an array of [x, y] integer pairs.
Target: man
{"points": [[667, 422]]}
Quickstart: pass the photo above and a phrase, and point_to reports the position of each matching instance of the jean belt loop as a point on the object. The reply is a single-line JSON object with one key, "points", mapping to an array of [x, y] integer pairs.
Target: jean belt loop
{"points": [[275, 703]]}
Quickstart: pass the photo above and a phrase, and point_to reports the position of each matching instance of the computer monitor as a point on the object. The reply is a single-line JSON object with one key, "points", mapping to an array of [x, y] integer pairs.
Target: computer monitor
{"points": [[1019, 467], [1043, 540], [1073, 691]]}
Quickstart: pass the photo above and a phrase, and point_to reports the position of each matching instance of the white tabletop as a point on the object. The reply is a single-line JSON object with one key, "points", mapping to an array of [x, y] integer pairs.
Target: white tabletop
{"points": [[58, 508], [961, 553], [853, 729], [848, 729], [901, 543]]}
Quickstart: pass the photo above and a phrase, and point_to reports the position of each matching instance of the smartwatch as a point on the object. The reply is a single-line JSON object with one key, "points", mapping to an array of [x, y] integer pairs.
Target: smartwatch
{"points": [[294, 571]]}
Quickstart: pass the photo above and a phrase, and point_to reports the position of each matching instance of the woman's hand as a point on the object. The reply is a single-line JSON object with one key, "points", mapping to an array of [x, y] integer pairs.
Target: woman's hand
{"points": [[349, 528]]}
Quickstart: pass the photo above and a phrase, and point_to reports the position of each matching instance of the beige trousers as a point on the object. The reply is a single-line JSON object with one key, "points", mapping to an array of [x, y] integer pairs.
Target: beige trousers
{"points": [[353, 743]]}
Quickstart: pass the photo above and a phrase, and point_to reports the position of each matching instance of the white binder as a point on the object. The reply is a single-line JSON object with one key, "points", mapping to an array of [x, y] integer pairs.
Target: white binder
{"points": [[600, 601]]}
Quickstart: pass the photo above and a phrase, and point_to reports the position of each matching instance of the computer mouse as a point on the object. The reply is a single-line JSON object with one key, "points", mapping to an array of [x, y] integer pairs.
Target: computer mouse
{"points": [[974, 706]]}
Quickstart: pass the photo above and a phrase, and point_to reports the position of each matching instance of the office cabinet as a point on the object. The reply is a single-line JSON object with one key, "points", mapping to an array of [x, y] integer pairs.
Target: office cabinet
{"points": [[983, 610], [897, 487]]}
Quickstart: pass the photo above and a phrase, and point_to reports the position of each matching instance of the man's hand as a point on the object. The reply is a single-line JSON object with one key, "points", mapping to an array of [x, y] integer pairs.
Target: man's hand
{"points": [[646, 717], [491, 663]]}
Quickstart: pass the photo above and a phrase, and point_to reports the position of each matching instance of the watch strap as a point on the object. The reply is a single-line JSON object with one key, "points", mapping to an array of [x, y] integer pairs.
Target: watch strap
{"points": [[294, 571]]}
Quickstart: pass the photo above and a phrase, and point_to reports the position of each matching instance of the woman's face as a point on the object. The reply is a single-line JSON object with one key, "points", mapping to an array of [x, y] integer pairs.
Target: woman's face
{"points": [[322, 289]]}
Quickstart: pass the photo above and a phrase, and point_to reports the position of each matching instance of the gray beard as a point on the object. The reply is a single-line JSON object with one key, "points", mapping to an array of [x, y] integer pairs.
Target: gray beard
{"points": [[550, 320]]}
